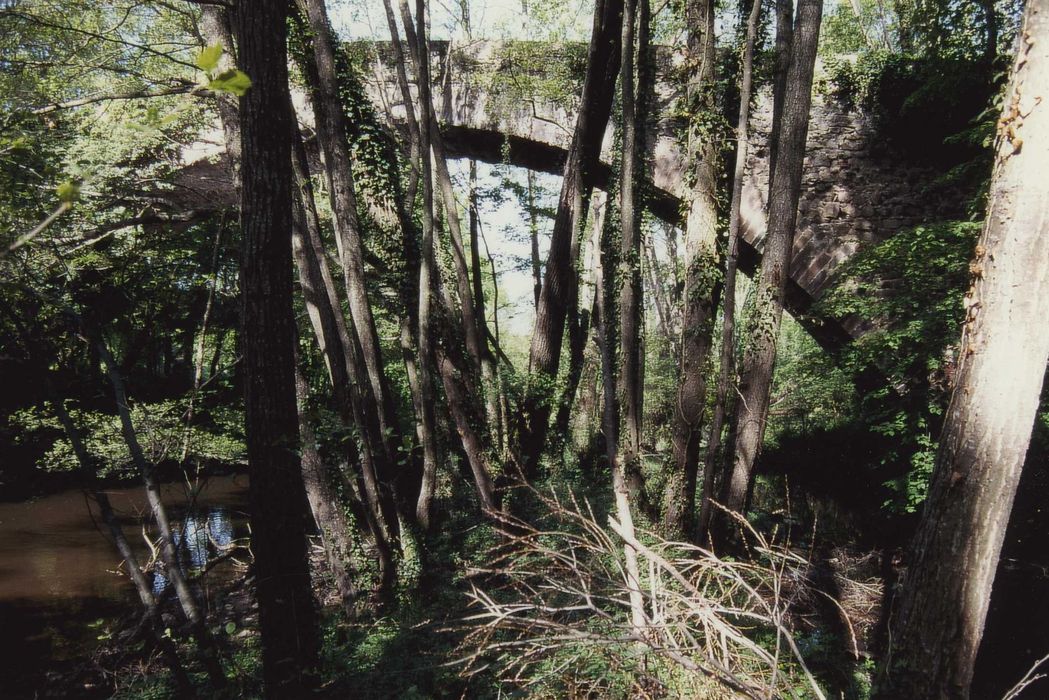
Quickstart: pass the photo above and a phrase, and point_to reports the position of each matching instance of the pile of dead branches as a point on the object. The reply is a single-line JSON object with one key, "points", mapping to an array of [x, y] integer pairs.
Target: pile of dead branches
{"points": [[554, 590]]}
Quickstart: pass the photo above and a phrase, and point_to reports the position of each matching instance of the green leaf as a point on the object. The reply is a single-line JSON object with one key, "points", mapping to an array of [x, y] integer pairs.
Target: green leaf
{"points": [[232, 81], [68, 192], [208, 58], [231, 627]]}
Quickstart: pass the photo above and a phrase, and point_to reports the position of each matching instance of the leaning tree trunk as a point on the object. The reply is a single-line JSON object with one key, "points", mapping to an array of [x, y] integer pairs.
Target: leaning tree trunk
{"points": [[607, 341], [427, 280], [342, 357], [756, 376], [323, 81], [168, 550], [143, 588], [334, 527], [560, 281], [287, 618], [726, 374], [701, 274], [939, 615]]}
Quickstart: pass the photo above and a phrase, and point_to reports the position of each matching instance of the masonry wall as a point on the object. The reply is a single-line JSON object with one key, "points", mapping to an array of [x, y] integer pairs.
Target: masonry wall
{"points": [[856, 189]]}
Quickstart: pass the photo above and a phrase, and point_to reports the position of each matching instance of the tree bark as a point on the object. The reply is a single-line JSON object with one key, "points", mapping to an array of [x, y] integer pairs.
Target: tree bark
{"points": [[629, 278], [784, 42], [142, 587], [760, 358], [489, 371], [342, 356], [726, 373], [579, 327], [942, 604], [560, 280], [332, 128], [334, 527], [427, 277], [287, 618], [607, 342], [701, 273], [533, 237], [168, 550]]}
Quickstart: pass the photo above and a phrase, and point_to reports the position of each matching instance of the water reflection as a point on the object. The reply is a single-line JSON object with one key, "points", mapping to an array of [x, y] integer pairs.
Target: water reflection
{"points": [[59, 572], [203, 534]]}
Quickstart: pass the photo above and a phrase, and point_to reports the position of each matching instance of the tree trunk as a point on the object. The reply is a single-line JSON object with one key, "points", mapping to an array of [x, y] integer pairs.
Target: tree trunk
{"points": [[609, 411], [342, 357], [323, 82], [328, 514], [629, 278], [701, 274], [726, 374], [489, 371], [287, 618], [533, 237], [142, 587], [215, 28], [784, 42], [942, 604], [168, 550], [560, 281], [760, 358], [579, 330], [427, 281]]}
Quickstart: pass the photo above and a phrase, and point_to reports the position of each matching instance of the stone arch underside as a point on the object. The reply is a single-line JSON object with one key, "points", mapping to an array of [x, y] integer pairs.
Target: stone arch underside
{"points": [[498, 148]]}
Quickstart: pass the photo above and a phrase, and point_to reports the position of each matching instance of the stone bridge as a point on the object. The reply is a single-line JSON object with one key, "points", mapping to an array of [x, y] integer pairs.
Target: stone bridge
{"points": [[504, 102], [515, 103]]}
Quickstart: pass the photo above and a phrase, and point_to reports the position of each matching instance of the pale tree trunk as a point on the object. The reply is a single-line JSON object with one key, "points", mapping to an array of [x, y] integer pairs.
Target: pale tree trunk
{"points": [[287, 617], [629, 277], [422, 404], [334, 527], [472, 323], [142, 586], [610, 418], [533, 237], [558, 289], [168, 550], [760, 358], [214, 27], [489, 371], [939, 615], [726, 373], [427, 283], [342, 357], [459, 375], [579, 333], [323, 82], [701, 275], [658, 291]]}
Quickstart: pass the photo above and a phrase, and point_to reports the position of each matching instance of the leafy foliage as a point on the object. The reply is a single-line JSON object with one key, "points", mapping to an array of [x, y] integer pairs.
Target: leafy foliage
{"points": [[216, 438], [908, 291]]}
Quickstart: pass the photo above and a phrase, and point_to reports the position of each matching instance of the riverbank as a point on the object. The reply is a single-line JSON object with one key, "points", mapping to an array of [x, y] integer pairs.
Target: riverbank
{"points": [[63, 590]]}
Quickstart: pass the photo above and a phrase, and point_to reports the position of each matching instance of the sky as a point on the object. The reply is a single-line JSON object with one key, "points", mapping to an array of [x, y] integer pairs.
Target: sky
{"points": [[490, 19]]}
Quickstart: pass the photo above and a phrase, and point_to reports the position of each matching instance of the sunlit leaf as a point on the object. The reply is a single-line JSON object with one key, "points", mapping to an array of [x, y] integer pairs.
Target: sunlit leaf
{"points": [[232, 81], [208, 58]]}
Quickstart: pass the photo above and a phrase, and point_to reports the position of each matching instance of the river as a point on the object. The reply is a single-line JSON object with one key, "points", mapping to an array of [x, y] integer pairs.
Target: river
{"points": [[62, 582]]}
